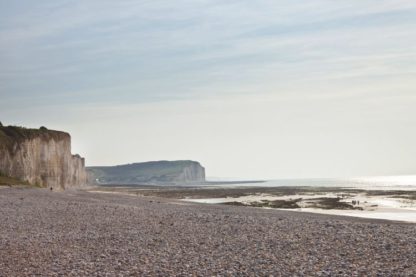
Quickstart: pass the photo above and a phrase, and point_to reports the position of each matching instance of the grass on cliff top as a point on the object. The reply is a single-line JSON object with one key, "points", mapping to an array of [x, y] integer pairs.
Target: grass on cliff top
{"points": [[10, 135]]}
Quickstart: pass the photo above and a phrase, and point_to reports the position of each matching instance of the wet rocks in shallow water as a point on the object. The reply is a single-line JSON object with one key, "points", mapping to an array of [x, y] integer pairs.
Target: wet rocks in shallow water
{"points": [[326, 203], [281, 204], [331, 203]]}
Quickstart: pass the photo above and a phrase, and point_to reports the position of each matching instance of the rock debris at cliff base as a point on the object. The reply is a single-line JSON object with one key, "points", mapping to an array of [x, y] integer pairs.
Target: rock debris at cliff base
{"points": [[77, 233]]}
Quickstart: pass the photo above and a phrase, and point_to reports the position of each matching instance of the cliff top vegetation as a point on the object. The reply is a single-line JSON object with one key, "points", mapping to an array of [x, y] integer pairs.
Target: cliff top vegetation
{"points": [[12, 135]]}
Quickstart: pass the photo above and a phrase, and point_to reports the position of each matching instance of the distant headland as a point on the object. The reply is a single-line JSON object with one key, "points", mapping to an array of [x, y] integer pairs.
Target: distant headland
{"points": [[185, 171]]}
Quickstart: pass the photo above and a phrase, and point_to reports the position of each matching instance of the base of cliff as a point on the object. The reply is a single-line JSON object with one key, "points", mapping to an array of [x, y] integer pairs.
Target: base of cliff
{"points": [[12, 182]]}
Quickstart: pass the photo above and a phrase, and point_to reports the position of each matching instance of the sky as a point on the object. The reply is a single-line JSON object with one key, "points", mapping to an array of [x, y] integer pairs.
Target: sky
{"points": [[251, 89]]}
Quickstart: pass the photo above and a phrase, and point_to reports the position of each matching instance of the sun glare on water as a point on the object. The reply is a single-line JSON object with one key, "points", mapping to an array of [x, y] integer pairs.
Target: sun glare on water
{"points": [[388, 181]]}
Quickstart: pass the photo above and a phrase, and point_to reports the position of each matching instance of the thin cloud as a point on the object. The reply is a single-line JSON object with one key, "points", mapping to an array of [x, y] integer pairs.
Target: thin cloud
{"points": [[282, 75]]}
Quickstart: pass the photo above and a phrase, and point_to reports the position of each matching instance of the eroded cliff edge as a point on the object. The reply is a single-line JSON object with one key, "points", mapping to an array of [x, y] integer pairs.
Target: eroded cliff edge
{"points": [[41, 157]]}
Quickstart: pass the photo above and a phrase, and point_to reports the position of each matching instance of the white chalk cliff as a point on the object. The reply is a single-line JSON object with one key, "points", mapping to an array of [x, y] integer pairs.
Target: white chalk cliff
{"points": [[41, 157]]}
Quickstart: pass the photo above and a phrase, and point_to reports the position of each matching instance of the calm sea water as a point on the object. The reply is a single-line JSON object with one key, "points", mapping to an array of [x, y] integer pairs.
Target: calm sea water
{"points": [[374, 183]]}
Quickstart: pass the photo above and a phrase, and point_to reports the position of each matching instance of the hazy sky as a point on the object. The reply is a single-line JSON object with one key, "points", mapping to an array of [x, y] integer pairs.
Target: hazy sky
{"points": [[251, 89]]}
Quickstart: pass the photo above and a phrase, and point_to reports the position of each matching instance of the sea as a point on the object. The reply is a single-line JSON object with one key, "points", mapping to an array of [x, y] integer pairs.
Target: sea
{"points": [[401, 182]]}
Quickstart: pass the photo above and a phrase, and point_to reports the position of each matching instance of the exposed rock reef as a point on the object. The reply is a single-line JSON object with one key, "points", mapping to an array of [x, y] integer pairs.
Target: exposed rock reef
{"points": [[40, 157], [148, 172]]}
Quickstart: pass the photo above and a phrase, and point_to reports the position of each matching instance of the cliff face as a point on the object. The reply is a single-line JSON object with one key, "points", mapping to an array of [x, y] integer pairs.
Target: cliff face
{"points": [[148, 172], [41, 157], [193, 172]]}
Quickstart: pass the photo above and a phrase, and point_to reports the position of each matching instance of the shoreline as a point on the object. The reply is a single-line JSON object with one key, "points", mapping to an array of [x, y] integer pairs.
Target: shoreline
{"points": [[325, 213], [83, 233], [353, 202]]}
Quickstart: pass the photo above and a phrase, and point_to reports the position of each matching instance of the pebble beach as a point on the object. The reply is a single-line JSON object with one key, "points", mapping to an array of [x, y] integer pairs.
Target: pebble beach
{"points": [[80, 233]]}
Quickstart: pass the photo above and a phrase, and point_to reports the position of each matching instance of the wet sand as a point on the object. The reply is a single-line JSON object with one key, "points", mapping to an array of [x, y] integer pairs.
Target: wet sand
{"points": [[79, 233]]}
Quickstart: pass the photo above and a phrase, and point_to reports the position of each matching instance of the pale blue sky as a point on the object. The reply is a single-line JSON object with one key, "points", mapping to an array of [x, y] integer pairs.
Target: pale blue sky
{"points": [[251, 89]]}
